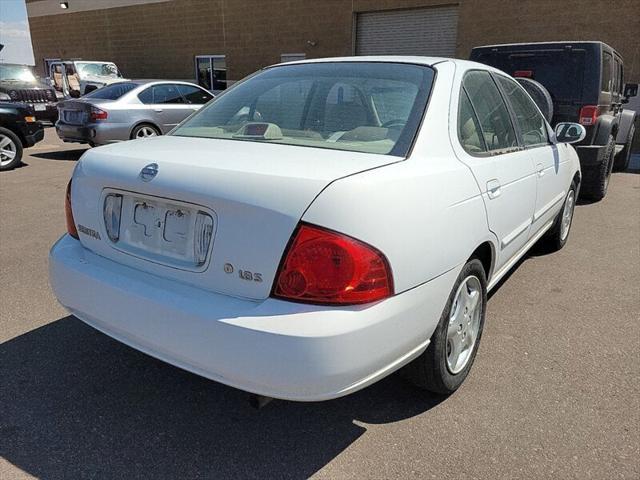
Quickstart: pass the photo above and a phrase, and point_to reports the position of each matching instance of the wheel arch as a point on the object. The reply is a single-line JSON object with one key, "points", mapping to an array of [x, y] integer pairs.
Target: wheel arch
{"points": [[485, 252], [144, 122], [17, 133]]}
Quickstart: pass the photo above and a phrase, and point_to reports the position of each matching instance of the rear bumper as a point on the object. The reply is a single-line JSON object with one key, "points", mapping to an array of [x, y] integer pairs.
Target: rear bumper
{"points": [[590, 155], [274, 348], [93, 133], [50, 113]]}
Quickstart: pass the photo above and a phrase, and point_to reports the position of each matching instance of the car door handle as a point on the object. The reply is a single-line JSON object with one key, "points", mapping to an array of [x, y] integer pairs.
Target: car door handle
{"points": [[493, 188], [158, 110], [540, 170]]}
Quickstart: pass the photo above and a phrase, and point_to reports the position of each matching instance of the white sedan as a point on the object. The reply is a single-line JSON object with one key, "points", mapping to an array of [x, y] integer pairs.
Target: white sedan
{"points": [[319, 225]]}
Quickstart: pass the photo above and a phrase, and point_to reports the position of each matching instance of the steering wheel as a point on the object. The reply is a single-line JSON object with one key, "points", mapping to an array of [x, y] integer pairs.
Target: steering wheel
{"points": [[396, 122]]}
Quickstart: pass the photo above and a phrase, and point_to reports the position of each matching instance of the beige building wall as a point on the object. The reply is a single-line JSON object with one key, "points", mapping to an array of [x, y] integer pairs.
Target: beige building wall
{"points": [[160, 40]]}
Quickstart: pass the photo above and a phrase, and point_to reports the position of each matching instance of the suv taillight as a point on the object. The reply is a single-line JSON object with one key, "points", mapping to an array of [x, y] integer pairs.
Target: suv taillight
{"points": [[588, 115], [326, 267], [97, 114], [71, 224]]}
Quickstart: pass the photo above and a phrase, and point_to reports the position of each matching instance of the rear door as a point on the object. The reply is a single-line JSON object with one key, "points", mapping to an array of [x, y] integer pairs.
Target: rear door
{"points": [[504, 171], [550, 164], [169, 107]]}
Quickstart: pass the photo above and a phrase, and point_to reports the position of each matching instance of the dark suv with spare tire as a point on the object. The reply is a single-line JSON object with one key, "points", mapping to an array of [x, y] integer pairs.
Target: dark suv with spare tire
{"points": [[584, 83]]}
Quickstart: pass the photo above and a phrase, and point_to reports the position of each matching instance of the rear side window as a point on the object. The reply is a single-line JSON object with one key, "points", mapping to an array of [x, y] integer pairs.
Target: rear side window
{"points": [[493, 116], [146, 96], [113, 91], [607, 79], [469, 131], [194, 95], [619, 86], [532, 125]]}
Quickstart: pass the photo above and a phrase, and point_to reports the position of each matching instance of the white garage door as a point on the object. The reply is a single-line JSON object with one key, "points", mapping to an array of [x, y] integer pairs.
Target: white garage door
{"points": [[417, 31]]}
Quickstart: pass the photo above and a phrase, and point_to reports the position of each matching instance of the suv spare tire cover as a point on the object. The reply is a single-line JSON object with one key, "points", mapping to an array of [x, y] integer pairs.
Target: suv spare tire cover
{"points": [[540, 95]]}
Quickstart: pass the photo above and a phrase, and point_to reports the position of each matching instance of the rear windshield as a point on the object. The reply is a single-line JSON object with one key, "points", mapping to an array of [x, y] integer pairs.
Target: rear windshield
{"points": [[357, 106], [113, 91], [561, 72]]}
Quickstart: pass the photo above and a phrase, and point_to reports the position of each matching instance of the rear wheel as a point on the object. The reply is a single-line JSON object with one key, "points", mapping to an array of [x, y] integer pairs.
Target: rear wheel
{"points": [[144, 130], [557, 236], [623, 158], [596, 180], [447, 361], [10, 149]]}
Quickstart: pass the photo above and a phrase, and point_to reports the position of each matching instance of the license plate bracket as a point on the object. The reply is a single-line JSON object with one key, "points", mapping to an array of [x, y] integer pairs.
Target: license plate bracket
{"points": [[163, 231]]}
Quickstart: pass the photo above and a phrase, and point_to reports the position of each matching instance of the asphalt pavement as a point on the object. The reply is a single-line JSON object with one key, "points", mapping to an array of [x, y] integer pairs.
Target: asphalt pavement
{"points": [[554, 392]]}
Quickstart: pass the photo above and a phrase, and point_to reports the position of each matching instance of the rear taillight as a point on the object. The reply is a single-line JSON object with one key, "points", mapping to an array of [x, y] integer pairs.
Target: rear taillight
{"points": [[325, 267], [588, 115], [71, 224], [98, 114], [523, 74]]}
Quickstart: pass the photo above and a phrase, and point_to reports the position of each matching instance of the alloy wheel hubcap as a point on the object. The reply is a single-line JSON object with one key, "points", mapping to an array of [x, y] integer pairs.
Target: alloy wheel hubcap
{"points": [[8, 150], [464, 324], [145, 132], [567, 215]]}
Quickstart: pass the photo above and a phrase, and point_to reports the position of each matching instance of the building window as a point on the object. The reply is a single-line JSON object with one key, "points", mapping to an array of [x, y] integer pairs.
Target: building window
{"points": [[211, 72], [292, 57]]}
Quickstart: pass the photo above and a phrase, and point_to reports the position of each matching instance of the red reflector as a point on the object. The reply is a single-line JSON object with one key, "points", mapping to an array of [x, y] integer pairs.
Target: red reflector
{"points": [[71, 224], [98, 114], [326, 267], [523, 73], [588, 115]]}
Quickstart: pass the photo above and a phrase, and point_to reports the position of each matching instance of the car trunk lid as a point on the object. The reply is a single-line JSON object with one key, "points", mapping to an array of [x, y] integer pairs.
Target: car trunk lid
{"points": [[251, 195]]}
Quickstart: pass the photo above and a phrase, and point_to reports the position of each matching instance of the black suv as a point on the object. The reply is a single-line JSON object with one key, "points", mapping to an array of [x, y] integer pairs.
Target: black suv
{"points": [[18, 84], [18, 129], [586, 83]]}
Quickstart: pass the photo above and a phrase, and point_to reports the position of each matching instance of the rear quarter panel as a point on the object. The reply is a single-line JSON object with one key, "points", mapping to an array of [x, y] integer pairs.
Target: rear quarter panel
{"points": [[425, 214]]}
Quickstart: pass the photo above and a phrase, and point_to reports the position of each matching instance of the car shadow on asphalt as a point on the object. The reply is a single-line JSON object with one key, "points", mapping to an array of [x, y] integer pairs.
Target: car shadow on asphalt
{"points": [[77, 404], [69, 155]]}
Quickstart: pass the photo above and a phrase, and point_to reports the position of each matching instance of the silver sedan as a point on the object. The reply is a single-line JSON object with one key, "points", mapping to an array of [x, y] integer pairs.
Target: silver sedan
{"points": [[128, 110]]}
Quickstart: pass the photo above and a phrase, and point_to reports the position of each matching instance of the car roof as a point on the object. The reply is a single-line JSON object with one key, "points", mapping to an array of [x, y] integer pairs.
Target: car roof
{"points": [[146, 82], [564, 42], [408, 59]]}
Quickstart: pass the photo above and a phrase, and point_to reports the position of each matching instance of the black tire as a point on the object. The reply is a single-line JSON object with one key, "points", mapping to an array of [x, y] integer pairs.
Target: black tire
{"points": [[138, 129], [624, 157], [10, 150], [595, 181], [430, 370], [556, 238], [540, 95]]}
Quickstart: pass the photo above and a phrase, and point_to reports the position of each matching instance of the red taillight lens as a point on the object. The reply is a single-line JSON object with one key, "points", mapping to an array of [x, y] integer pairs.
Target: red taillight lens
{"points": [[329, 268], [98, 114], [71, 224], [588, 115]]}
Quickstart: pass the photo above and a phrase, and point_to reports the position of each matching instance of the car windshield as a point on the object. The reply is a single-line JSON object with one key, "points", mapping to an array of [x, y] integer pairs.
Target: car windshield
{"points": [[358, 106], [97, 69], [17, 73], [113, 91]]}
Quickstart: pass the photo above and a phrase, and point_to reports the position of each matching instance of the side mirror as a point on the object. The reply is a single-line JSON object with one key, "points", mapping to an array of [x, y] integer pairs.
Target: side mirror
{"points": [[630, 90], [567, 132]]}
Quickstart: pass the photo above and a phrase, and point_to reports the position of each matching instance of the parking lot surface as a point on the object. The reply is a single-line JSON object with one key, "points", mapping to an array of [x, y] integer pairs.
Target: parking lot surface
{"points": [[554, 392]]}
